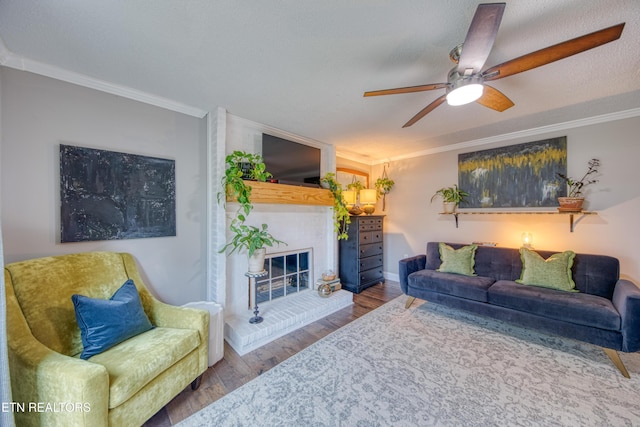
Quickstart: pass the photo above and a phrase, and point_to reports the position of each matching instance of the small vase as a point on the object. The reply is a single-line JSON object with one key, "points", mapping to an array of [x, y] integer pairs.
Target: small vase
{"points": [[570, 204], [256, 261], [325, 290]]}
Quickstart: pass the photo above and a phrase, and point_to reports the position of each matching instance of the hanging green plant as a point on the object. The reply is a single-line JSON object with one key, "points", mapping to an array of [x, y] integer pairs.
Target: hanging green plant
{"points": [[341, 216], [383, 186], [355, 185]]}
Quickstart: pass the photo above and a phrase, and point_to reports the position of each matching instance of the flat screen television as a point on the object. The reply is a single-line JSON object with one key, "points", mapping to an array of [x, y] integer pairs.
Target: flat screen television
{"points": [[291, 162]]}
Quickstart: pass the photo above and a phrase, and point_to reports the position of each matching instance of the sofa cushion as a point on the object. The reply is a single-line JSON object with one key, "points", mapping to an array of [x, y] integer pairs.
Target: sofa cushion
{"points": [[578, 308], [553, 272], [474, 288], [105, 323], [458, 261], [134, 363]]}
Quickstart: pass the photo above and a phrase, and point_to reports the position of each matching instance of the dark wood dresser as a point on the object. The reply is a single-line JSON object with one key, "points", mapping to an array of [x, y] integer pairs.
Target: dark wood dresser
{"points": [[361, 254]]}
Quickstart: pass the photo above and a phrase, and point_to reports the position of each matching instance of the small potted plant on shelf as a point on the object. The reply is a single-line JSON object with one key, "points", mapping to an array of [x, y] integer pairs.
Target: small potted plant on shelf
{"points": [[574, 200], [252, 239], [451, 197], [341, 216]]}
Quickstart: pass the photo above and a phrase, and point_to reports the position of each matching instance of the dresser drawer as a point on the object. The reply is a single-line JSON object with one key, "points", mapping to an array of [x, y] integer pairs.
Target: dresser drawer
{"points": [[370, 237], [371, 275], [370, 250], [370, 262], [370, 224]]}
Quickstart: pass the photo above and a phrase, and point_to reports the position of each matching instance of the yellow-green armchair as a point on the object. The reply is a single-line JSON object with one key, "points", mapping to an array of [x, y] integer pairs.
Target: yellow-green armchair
{"points": [[122, 386]]}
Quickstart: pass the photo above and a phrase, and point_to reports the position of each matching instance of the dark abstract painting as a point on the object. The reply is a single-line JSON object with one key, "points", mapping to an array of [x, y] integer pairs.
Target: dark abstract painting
{"points": [[517, 176], [108, 195]]}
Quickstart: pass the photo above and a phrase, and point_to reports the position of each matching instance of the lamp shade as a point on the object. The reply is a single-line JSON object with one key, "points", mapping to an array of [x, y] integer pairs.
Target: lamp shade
{"points": [[349, 197], [368, 196]]}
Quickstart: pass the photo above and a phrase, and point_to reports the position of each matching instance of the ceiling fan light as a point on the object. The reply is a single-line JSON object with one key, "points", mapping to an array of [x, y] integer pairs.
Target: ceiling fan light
{"points": [[465, 94]]}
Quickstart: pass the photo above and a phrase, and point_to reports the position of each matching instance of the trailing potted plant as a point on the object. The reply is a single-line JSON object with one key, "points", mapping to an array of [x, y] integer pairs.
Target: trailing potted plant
{"points": [[574, 200], [252, 239], [241, 165], [341, 218], [355, 185], [451, 197]]}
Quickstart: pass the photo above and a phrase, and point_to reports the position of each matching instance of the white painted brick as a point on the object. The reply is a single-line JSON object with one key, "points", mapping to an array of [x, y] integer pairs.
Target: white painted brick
{"points": [[281, 317]]}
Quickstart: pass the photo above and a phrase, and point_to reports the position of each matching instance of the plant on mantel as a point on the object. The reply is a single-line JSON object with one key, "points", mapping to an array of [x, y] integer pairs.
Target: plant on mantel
{"points": [[341, 217], [240, 166]]}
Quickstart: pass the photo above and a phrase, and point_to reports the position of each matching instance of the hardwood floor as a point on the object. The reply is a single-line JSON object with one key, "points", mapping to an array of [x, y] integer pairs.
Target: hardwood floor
{"points": [[235, 370]]}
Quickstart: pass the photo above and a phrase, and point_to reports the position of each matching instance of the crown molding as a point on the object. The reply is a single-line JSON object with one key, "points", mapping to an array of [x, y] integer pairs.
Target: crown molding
{"points": [[635, 112], [233, 120], [359, 158], [11, 60]]}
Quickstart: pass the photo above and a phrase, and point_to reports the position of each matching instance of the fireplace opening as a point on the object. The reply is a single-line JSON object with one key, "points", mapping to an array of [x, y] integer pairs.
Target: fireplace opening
{"points": [[287, 273]]}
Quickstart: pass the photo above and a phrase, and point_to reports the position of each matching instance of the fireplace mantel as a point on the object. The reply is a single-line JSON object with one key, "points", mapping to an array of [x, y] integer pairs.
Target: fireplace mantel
{"points": [[267, 192]]}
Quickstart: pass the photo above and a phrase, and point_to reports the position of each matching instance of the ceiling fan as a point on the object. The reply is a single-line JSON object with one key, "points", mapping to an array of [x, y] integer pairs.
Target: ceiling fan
{"points": [[466, 81]]}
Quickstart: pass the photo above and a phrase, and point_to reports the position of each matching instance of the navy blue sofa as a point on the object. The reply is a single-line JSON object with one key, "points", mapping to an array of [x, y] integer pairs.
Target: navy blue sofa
{"points": [[606, 311]]}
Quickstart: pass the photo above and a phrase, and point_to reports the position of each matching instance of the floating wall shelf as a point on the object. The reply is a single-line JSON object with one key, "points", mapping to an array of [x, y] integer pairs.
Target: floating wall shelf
{"points": [[267, 192], [571, 214]]}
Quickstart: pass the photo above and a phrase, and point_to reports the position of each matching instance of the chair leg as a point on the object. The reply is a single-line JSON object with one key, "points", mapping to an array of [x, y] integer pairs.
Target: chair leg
{"points": [[615, 358], [196, 383], [410, 301]]}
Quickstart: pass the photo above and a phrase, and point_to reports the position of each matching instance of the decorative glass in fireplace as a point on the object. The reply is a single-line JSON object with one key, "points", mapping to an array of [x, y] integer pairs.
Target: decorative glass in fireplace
{"points": [[287, 273]]}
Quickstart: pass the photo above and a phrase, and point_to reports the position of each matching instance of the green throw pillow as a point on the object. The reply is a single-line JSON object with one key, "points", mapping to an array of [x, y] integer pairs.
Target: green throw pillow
{"points": [[553, 272], [460, 261]]}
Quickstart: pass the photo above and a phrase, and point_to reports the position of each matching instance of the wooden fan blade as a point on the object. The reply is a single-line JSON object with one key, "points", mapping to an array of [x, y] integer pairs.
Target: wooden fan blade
{"points": [[480, 37], [494, 99], [426, 110], [409, 89], [554, 53]]}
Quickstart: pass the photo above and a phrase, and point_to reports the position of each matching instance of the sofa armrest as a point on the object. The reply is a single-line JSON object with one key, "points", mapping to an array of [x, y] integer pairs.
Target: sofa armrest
{"points": [[408, 266], [169, 316], [41, 377], [626, 299]]}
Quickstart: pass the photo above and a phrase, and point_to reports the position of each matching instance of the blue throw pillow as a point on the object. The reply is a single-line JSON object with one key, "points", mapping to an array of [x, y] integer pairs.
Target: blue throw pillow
{"points": [[105, 323]]}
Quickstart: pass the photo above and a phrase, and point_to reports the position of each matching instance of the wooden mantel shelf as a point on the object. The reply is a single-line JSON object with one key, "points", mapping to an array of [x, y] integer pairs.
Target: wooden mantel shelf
{"points": [[267, 192]]}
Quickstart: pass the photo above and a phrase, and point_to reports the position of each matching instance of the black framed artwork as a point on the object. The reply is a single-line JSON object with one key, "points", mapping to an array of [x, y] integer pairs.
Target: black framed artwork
{"points": [[516, 176], [107, 195]]}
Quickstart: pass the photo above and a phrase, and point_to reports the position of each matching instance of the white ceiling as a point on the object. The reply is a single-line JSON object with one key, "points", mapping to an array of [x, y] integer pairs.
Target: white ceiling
{"points": [[303, 65]]}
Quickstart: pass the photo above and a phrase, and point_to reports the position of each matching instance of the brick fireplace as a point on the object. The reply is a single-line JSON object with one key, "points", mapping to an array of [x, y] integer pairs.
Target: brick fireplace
{"points": [[311, 249], [301, 217]]}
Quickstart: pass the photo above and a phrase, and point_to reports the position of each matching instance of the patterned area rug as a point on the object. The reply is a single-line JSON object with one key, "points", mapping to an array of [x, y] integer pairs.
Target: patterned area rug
{"points": [[434, 366]]}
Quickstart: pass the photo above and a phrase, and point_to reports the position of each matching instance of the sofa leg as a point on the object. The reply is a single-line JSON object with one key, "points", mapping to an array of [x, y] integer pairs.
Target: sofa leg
{"points": [[615, 358], [410, 301], [196, 383]]}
